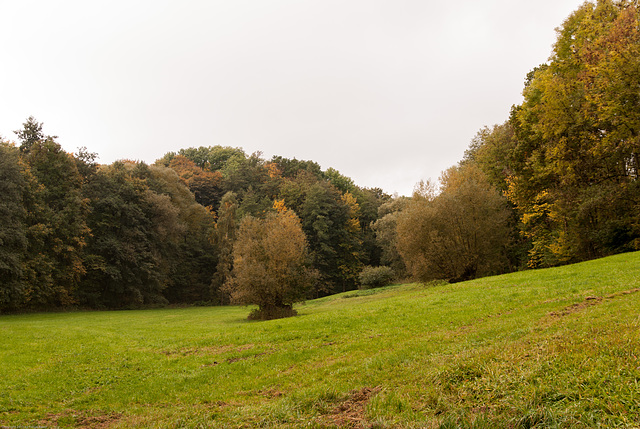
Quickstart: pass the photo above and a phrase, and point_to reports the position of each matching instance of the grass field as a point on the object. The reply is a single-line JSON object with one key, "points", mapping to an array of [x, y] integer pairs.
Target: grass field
{"points": [[547, 348]]}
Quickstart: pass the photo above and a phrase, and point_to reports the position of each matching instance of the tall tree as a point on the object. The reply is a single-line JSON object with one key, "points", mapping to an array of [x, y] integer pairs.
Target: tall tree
{"points": [[386, 232], [577, 187], [13, 234], [224, 238], [326, 222], [56, 261], [131, 229], [30, 133], [185, 248]]}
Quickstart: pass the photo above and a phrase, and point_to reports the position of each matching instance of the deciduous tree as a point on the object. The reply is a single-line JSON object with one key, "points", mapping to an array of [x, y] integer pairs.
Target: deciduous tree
{"points": [[57, 222], [224, 237], [458, 234], [270, 265], [13, 230], [577, 186]]}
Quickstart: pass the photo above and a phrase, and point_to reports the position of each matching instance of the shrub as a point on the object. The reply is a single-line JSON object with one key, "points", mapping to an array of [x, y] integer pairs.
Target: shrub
{"points": [[371, 277], [272, 312]]}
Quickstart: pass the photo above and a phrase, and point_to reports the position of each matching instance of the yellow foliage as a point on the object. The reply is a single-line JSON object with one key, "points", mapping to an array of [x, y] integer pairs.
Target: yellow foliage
{"points": [[274, 170], [279, 206], [282, 210], [354, 211]]}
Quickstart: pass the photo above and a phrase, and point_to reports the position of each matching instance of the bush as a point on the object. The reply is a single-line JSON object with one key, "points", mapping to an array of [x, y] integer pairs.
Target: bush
{"points": [[272, 312], [371, 277]]}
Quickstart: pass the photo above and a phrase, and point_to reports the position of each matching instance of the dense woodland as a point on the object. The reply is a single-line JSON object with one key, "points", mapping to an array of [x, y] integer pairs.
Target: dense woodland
{"points": [[556, 183]]}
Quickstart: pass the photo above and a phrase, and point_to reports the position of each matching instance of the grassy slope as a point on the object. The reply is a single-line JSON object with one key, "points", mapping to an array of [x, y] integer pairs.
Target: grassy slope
{"points": [[518, 350]]}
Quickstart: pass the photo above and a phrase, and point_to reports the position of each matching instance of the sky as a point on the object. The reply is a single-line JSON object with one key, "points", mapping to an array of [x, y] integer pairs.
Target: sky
{"points": [[388, 92]]}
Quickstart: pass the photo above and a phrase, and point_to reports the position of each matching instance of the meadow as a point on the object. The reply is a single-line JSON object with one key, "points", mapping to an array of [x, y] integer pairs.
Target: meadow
{"points": [[547, 348]]}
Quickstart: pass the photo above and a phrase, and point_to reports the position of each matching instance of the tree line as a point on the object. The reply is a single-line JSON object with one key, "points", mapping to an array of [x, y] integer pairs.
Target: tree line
{"points": [[131, 234], [556, 183]]}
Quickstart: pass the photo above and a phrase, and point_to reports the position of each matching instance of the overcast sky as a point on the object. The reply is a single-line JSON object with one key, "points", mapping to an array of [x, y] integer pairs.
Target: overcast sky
{"points": [[388, 92]]}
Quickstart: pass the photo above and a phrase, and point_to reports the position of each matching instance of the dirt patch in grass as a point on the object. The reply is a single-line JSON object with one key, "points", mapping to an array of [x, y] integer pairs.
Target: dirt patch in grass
{"points": [[233, 359], [204, 351], [351, 412], [81, 419], [239, 358], [590, 301], [624, 292], [272, 392]]}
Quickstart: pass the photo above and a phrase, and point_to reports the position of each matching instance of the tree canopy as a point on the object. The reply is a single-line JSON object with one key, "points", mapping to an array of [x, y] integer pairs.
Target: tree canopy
{"points": [[557, 182]]}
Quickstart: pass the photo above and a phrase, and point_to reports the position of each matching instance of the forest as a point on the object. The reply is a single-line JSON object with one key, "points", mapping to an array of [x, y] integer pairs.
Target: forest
{"points": [[556, 183]]}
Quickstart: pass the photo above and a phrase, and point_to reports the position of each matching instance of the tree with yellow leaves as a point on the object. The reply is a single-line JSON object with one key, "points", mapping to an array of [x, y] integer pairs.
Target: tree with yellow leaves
{"points": [[270, 264]]}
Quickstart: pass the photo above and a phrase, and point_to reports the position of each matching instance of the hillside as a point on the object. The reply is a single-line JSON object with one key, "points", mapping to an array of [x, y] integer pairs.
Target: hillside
{"points": [[547, 348]]}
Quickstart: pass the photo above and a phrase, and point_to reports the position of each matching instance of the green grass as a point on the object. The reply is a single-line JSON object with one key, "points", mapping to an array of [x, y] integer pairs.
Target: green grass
{"points": [[544, 349]]}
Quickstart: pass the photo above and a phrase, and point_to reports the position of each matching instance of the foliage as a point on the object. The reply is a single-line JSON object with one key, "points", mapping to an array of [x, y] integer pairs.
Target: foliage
{"points": [[31, 133], [56, 221], [576, 187], [328, 224], [149, 241], [124, 267], [340, 181], [205, 184], [129, 234], [224, 237], [558, 182], [386, 233], [270, 265], [372, 277], [458, 234], [336, 220], [192, 256], [493, 151], [290, 168], [567, 158], [13, 234]]}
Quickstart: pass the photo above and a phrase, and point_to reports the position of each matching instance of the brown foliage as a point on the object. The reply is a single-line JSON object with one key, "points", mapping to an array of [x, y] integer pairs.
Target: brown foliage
{"points": [[458, 234], [205, 184], [269, 264]]}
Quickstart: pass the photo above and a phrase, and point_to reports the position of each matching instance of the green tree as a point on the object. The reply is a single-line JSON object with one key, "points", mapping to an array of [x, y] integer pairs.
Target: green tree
{"points": [[224, 237], [132, 229], [493, 150], [86, 163], [57, 221], [13, 233], [290, 168], [340, 181], [214, 158], [328, 224], [386, 233], [269, 267], [369, 201], [186, 251], [30, 133]]}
